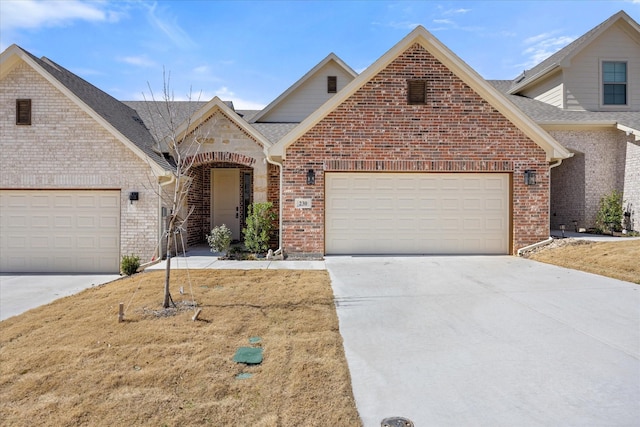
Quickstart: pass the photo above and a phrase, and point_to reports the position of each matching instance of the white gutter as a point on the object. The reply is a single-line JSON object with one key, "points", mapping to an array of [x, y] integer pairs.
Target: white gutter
{"points": [[550, 239], [280, 207]]}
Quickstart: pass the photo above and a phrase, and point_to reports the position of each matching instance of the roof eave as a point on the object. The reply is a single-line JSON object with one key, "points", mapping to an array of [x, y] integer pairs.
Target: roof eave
{"points": [[530, 81], [331, 57], [19, 53], [204, 113], [420, 35]]}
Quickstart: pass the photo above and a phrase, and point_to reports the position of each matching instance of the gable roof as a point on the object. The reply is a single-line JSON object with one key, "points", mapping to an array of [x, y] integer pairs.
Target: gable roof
{"points": [[208, 109], [549, 116], [420, 35], [563, 57], [332, 57], [120, 120]]}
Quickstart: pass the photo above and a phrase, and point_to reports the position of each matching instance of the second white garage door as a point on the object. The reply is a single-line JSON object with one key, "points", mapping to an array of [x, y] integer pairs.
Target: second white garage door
{"points": [[416, 213], [44, 231]]}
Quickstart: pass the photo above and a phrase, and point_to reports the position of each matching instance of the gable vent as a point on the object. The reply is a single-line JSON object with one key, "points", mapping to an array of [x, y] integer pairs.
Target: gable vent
{"points": [[23, 111], [332, 84], [416, 92]]}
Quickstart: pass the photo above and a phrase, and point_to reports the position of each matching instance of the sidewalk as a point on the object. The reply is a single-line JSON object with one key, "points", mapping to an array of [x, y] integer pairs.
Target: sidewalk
{"points": [[203, 258]]}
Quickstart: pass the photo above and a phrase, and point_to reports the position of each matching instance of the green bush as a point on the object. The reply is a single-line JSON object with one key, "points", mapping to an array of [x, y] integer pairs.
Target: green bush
{"points": [[260, 221], [219, 239], [129, 264], [610, 213]]}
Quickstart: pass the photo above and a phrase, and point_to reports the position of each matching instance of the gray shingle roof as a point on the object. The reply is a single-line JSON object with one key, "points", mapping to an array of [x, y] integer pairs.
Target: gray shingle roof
{"points": [[541, 112], [123, 118], [156, 113], [274, 131]]}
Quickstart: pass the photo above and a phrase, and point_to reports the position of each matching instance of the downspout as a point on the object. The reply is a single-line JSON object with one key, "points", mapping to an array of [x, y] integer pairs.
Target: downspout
{"points": [[273, 162], [162, 183], [550, 239]]}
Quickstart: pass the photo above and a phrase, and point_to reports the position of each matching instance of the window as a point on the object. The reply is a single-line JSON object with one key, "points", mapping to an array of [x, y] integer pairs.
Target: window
{"points": [[614, 83], [332, 84], [416, 92], [23, 111]]}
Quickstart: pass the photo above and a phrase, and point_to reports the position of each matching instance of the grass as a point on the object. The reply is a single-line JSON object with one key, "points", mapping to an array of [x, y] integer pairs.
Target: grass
{"points": [[71, 363], [618, 260]]}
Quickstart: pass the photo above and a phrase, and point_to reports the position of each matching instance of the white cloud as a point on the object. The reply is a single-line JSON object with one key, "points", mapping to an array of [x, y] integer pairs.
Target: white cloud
{"points": [[455, 11], [402, 25], [240, 104], [35, 14], [169, 26], [139, 61], [443, 21], [543, 45], [203, 69]]}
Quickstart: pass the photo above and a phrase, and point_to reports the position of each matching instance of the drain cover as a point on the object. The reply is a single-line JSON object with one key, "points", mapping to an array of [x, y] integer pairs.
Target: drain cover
{"points": [[396, 422]]}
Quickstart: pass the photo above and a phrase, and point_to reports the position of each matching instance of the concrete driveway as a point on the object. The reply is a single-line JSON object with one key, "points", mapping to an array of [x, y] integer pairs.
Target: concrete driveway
{"points": [[22, 292], [488, 341]]}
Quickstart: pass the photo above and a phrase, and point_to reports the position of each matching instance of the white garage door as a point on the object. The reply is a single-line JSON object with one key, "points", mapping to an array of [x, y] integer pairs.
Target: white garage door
{"points": [[59, 231], [417, 213]]}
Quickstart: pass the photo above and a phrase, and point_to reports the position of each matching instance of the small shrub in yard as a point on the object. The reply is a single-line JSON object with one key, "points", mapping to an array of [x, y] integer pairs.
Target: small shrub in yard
{"points": [[219, 239], [609, 216], [130, 264], [259, 226]]}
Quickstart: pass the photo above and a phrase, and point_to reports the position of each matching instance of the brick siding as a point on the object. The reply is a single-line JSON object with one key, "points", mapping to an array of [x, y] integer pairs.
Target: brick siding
{"points": [[64, 148], [596, 169], [376, 130]]}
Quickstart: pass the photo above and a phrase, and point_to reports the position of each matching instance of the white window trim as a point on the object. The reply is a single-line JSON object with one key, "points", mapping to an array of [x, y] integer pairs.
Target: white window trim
{"points": [[604, 106]]}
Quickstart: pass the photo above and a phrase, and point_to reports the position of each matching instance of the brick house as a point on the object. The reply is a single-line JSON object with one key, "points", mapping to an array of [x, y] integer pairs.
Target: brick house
{"points": [[418, 154]]}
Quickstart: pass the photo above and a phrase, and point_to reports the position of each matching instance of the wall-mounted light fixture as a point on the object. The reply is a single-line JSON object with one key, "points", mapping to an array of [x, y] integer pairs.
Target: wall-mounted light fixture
{"points": [[311, 177], [530, 177], [133, 195]]}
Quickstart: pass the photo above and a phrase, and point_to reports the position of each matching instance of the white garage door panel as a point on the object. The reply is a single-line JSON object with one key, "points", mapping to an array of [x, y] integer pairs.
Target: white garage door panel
{"points": [[439, 213], [59, 231]]}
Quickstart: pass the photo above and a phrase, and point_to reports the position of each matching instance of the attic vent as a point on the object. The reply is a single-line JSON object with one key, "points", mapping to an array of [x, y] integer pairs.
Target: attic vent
{"points": [[416, 92], [139, 121], [23, 111], [332, 84]]}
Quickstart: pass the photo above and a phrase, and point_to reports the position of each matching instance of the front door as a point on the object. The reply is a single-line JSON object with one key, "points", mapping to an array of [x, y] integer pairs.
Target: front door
{"points": [[225, 200]]}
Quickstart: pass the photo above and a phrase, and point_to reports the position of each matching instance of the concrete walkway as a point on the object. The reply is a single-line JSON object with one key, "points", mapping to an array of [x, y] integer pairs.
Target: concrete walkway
{"points": [[201, 257], [488, 341], [22, 292]]}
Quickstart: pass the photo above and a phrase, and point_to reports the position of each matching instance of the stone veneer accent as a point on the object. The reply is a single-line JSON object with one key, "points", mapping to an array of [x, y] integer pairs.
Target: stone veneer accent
{"points": [[65, 148], [225, 145], [376, 130], [604, 160]]}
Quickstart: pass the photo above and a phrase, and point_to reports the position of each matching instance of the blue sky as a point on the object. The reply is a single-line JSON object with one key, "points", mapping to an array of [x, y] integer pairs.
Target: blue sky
{"points": [[251, 51]]}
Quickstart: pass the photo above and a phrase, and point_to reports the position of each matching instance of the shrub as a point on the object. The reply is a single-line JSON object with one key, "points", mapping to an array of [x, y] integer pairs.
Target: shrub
{"points": [[260, 220], [610, 212], [130, 264], [219, 239]]}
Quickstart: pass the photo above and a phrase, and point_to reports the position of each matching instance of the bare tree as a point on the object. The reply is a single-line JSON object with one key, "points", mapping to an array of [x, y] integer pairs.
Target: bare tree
{"points": [[176, 136]]}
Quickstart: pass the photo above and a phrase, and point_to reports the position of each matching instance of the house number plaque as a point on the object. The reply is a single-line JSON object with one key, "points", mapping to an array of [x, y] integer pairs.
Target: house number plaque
{"points": [[303, 203]]}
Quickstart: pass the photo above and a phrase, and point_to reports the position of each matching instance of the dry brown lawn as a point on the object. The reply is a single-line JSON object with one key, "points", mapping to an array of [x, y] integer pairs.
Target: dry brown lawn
{"points": [[71, 363], [620, 260]]}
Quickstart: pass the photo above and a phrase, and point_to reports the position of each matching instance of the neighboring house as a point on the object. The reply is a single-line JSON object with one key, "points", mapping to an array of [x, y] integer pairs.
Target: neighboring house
{"points": [[587, 97], [416, 155]]}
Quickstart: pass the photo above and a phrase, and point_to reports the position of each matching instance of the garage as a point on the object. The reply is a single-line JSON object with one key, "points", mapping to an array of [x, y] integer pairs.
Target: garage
{"points": [[65, 231], [417, 213]]}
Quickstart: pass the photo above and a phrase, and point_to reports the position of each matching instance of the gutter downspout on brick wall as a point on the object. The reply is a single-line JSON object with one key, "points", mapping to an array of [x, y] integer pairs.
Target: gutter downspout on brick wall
{"points": [[279, 165], [550, 239]]}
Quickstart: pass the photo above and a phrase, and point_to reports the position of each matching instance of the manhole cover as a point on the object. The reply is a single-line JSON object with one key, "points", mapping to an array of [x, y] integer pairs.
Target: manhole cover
{"points": [[396, 422]]}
